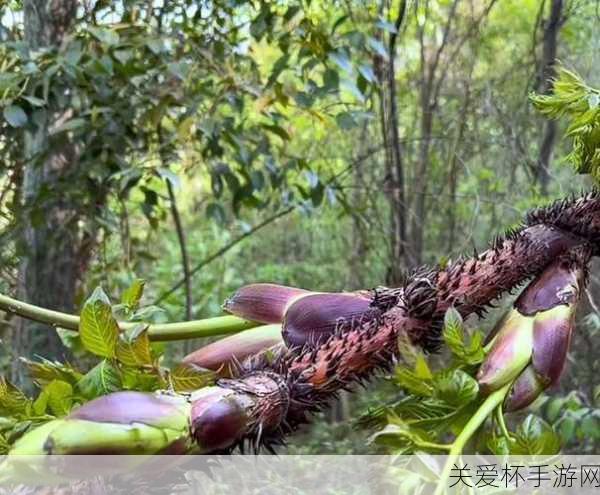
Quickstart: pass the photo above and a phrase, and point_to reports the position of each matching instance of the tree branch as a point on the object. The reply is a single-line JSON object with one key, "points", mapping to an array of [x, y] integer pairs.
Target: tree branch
{"points": [[185, 263], [220, 325], [221, 251]]}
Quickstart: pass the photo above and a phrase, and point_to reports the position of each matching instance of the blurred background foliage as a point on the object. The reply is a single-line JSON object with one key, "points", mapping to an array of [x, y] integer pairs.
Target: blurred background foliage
{"points": [[327, 145]]}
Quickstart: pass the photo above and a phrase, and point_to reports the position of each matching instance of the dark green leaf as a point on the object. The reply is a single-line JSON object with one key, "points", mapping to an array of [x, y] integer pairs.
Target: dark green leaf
{"points": [[15, 116], [341, 59], [455, 387], [34, 101], [102, 379], [535, 437], [216, 212]]}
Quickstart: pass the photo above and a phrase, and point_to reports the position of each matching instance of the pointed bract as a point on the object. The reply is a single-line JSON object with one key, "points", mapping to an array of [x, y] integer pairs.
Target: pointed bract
{"points": [[119, 423], [557, 285], [218, 419], [525, 390], [222, 355], [313, 318], [510, 353], [551, 338], [263, 303]]}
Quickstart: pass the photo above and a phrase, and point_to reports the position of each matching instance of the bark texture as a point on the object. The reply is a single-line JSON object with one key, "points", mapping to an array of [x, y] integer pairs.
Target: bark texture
{"points": [[547, 72], [52, 242]]}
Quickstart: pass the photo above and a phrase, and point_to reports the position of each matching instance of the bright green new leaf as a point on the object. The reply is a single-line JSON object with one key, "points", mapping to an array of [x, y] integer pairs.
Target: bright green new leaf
{"points": [[57, 396], [187, 377], [98, 328], [133, 347], [12, 400], [133, 294]]}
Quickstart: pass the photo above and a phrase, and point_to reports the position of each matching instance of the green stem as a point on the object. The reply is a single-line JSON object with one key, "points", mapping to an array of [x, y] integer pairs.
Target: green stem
{"points": [[502, 423], [487, 407], [219, 325], [432, 445]]}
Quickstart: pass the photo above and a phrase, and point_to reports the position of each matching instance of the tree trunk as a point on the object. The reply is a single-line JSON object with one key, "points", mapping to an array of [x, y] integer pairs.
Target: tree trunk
{"points": [[394, 166], [52, 243], [547, 71]]}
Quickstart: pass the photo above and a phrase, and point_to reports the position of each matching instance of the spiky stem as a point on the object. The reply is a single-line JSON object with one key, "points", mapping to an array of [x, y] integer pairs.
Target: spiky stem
{"points": [[276, 397], [220, 325]]}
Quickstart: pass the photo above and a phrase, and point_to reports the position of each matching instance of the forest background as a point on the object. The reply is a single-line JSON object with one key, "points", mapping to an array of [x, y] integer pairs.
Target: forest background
{"points": [[202, 146]]}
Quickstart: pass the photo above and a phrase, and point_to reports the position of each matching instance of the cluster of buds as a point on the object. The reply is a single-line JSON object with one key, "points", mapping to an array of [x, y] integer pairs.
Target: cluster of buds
{"points": [[307, 318], [208, 420], [293, 318], [529, 346]]}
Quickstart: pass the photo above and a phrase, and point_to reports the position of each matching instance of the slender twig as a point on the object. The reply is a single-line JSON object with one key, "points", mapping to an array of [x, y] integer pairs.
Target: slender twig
{"points": [[185, 262], [219, 325], [221, 251]]}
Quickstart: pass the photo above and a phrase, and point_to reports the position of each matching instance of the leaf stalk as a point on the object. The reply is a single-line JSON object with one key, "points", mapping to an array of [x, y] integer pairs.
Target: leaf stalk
{"points": [[219, 325]]}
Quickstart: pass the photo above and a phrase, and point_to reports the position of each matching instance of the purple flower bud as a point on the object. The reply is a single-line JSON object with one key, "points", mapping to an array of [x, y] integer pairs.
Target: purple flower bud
{"points": [[219, 418], [264, 303], [557, 285], [551, 338], [510, 353], [525, 390], [222, 354], [313, 318]]}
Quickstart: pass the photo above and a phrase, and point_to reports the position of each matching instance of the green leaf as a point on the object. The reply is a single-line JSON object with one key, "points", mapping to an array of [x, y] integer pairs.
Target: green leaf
{"points": [[367, 72], [278, 131], [400, 436], [470, 353], [133, 347], [132, 295], [15, 115], [56, 396], [498, 445], [169, 176], [12, 400], [34, 100], [98, 328], [453, 333], [377, 47], [455, 387], [142, 380], [102, 379], [386, 25], [105, 35], [412, 383], [44, 371], [187, 377], [341, 59], [71, 339], [216, 212], [535, 437], [4, 445]]}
